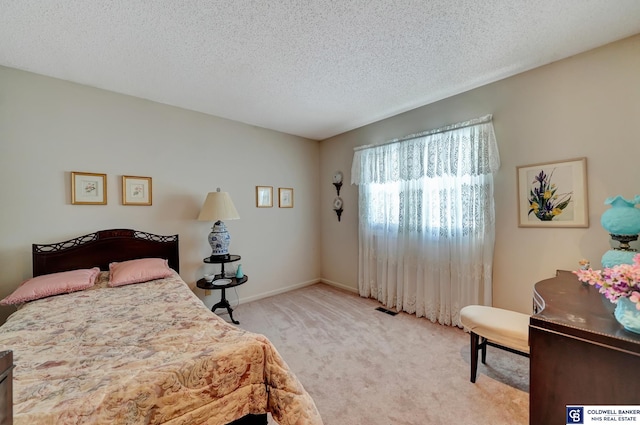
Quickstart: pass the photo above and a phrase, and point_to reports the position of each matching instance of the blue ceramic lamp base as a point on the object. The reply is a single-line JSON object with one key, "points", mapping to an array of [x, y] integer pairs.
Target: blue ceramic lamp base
{"points": [[615, 256]]}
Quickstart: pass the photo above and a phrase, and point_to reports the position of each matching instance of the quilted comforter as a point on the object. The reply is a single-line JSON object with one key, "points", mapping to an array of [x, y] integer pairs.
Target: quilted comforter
{"points": [[148, 353]]}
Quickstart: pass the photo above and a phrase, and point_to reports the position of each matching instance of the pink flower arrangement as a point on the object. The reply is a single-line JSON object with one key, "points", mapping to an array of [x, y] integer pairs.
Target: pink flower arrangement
{"points": [[622, 280]]}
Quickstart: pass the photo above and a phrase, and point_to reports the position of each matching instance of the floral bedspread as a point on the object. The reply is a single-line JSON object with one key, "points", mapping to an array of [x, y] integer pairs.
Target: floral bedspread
{"points": [[148, 353]]}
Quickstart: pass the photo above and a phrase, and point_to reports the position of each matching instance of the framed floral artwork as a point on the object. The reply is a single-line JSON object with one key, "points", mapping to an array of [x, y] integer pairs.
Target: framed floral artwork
{"points": [[264, 196], [88, 188], [136, 190], [285, 197], [553, 194]]}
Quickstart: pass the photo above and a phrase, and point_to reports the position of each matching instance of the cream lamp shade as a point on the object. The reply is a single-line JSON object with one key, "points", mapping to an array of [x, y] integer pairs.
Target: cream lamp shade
{"points": [[218, 206]]}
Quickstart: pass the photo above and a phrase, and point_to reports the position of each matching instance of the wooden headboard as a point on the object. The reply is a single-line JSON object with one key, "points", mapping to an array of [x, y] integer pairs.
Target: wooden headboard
{"points": [[101, 248]]}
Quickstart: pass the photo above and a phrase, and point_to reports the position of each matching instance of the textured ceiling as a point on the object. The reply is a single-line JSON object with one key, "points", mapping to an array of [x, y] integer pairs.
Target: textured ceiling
{"points": [[314, 68]]}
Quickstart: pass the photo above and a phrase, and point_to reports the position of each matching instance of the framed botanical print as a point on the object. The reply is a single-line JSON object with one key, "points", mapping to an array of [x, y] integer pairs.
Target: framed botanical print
{"points": [[553, 194], [285, 197], [136, 190], [88, 188], [264, 196]]}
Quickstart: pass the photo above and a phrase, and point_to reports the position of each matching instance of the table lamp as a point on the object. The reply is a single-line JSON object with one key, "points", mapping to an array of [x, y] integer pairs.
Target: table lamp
{"points": [[217, 207], [622, 221]]}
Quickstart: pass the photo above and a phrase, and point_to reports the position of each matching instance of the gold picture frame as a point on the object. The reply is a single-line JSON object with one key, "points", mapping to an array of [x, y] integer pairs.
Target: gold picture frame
{"points": [[553, 194], [285, 197], [264, 196], [137, 190], [88, 188]]}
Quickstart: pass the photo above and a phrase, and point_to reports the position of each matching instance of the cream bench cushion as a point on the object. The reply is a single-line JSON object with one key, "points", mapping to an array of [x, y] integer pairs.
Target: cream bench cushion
{"points": [[504, 327]]}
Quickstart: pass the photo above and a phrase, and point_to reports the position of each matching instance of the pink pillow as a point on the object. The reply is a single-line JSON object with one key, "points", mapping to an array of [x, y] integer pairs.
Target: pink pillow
{"points": [[137, 271], [52, 284]]}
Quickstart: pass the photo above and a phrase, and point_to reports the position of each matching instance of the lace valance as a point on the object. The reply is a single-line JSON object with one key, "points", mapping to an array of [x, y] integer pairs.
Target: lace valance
{"points": [[463, 149]]}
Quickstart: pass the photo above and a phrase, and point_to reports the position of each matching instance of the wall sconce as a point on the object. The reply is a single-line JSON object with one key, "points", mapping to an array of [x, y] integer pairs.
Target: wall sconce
{"points": [[337, 181], [337, 202], [337, 206]]}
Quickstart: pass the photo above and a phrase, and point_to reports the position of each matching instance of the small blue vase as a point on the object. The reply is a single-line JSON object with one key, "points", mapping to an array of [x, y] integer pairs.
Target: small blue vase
{"points": [[627, 315], [239, 274]]}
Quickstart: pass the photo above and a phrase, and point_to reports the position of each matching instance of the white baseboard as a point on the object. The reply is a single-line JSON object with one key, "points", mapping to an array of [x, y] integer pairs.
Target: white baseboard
{"points": [[296, 286], [278, 291], [339, 285]]}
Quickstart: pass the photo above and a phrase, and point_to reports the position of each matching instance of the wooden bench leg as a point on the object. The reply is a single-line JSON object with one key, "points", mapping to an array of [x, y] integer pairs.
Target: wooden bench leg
{"points": [[474, 356], [479, 343], [483, 345]]}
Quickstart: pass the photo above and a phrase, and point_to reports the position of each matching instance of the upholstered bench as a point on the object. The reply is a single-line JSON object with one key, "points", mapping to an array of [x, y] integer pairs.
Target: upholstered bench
{"points": [[504, 329]]}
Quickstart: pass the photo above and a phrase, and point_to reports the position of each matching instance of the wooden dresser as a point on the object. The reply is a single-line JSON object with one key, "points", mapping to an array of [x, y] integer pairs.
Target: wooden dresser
{"points": [[580, 355]]}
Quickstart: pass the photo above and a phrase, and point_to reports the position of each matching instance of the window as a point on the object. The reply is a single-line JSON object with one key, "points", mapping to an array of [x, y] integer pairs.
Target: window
{"points": [[427, 220]]}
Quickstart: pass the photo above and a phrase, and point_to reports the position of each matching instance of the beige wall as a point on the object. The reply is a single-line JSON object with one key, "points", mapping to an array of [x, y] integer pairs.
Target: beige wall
{"points": [[584, 106], [49, 128]]}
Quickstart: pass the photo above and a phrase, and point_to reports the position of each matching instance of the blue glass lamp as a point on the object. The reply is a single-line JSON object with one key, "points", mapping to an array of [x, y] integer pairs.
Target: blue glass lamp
{"points": [[622, 221]]}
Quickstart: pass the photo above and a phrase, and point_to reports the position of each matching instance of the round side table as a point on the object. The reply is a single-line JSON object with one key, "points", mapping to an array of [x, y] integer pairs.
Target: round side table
{"points": [[224, 282]]}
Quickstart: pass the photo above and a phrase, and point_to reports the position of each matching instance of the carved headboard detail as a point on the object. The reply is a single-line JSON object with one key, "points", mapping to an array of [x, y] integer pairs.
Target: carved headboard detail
{"points": [[103, 247]]}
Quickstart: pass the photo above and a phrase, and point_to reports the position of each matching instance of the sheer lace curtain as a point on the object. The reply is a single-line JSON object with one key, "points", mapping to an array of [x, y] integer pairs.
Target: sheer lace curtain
{"points": [[427, 222]]}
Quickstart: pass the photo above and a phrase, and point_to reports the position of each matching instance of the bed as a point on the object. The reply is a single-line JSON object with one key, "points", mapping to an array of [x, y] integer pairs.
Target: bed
{"points": [[142, 353]]}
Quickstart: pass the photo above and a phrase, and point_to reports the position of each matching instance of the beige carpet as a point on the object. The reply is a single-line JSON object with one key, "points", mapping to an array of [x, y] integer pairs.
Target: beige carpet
{"points": [[365, 367]]}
